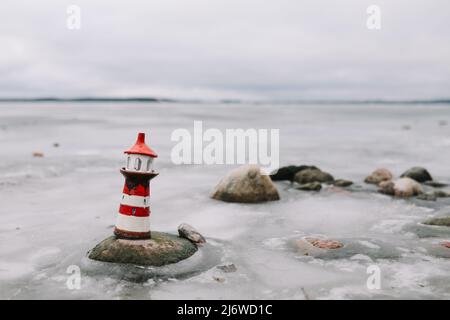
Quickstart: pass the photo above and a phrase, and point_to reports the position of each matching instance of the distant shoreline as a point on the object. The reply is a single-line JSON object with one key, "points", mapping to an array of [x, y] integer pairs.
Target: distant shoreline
{"points": [[220, 101]]}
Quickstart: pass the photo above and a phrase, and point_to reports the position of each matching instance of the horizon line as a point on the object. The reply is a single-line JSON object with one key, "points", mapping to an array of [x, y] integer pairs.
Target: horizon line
{"points": [[149, 99]]}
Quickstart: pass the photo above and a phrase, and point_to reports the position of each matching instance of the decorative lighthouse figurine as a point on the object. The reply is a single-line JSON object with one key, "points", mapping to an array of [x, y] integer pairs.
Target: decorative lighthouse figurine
{"points": [[133, 218]]}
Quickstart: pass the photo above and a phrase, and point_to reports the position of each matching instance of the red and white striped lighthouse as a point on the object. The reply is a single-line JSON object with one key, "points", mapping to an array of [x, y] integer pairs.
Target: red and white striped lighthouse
{"points": [[133, 219]]}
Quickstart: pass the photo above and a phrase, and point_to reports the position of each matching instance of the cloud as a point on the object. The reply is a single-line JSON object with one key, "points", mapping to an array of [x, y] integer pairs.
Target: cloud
{"points": [[277, 49]]}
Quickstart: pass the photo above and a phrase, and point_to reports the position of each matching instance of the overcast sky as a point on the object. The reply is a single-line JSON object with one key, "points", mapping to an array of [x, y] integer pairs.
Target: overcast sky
{"points": [[265, 49]]}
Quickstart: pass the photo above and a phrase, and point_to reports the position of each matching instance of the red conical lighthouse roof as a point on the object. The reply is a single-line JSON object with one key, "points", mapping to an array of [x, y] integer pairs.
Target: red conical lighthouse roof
{"points": [[141, 148]]}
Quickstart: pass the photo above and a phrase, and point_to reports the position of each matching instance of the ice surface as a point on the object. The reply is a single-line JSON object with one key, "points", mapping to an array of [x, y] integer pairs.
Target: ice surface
{"points": [[54, 209]]}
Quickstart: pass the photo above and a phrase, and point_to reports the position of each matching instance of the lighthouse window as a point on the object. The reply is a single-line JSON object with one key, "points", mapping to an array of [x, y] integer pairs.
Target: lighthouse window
{"points": [[137, 164], [149, 164], [128, 162]]}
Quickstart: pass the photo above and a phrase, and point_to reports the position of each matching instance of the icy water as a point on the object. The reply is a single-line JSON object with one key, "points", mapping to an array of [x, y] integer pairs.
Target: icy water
{"points": [[57, 207]]}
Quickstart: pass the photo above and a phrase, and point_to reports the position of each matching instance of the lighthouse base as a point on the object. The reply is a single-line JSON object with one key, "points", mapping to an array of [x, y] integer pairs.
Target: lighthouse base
{"points": [[161, 249], [122, 234]]}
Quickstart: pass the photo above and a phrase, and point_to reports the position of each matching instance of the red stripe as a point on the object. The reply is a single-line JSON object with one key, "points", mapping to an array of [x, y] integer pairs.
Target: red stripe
{"points": [[134, 211], [140, 190]]}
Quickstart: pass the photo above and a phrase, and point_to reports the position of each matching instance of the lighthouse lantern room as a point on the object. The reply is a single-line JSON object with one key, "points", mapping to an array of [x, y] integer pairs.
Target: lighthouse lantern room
{"points": [[133, 219]]}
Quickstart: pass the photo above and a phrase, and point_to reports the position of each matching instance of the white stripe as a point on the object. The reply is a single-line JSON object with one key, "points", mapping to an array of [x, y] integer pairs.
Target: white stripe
{"points": [[132, 223], [135, 201]]}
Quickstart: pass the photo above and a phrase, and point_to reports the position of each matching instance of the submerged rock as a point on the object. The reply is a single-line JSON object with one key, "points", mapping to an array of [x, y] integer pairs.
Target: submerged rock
{"points": [[443, 221], [161, 249], [435, 184], [335, 189], [403, 187], [188, 232], [417, 173], [313, 175], [427, 197], [439, 249], [423, 230], [246, 184], [379, 175], [328, 249], [227, 268], [342, 183], [288, 172], [441, 194], [325, 243], [315, 246], [38, 154], [312, 186], [446, 244]]}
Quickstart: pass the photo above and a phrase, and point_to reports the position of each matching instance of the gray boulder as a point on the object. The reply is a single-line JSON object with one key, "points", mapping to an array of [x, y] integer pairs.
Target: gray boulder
{"points": [[288, 172], [342, 183], [188, 232], [417, 173], [312, 186], [379, 175], [443, 221], [403, 188], [313, 175], [246, 184], [161, 249]]}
